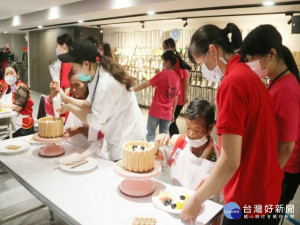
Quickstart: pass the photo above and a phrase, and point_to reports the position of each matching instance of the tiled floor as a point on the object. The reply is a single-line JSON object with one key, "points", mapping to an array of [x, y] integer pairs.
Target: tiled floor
{"points": [[13, 197]]}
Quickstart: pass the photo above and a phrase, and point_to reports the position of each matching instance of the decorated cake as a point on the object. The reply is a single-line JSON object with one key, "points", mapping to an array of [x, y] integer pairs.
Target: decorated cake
{"points": [[138, 156], [50, 127]]}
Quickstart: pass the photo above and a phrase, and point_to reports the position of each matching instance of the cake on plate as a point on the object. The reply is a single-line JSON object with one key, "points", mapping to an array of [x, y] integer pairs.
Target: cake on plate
{"points": [[51, 127], [138, 156]]}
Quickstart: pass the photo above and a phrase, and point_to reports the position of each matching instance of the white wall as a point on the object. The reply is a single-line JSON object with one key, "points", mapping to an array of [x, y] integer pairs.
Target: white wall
{"points": [[157, 31]]}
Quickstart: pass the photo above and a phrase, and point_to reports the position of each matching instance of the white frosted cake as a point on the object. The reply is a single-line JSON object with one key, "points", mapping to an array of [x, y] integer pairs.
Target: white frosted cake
{"points": [[51, 127], [138, 156]]}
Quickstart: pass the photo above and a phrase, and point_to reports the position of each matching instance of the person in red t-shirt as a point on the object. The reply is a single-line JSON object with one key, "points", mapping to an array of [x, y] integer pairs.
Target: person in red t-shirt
{"points": [[180, 68], [63, 44], [164, 102], [268, 57], [247, 169]]}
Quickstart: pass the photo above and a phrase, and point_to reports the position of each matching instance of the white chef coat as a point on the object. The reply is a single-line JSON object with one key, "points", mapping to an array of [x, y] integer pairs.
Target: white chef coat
{"points": [[115, 112], [98, 146]]}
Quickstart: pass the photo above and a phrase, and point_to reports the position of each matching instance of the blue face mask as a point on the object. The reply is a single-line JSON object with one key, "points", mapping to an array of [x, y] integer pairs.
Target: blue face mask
{"points": [[84, 78]]}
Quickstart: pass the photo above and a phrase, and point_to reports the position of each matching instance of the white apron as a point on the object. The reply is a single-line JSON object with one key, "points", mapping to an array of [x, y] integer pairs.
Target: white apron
{"points": [[187, 170], [98, 146], [16, 120]]}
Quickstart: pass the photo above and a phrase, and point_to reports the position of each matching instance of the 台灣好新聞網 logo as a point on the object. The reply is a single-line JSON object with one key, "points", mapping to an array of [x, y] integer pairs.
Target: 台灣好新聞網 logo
{"points": [[232, 210]]}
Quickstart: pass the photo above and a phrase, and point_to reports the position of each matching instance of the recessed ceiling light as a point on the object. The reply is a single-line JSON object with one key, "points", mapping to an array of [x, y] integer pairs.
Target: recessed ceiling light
{"points": [[5, 32], [40, 26], [150, 12], [268, 3], [80, 21]]}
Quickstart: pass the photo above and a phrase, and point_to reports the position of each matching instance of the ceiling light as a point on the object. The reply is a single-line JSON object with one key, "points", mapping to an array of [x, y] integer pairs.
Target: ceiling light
{"points": [[40, 26], [101, 30], [16, 21], [53, 13], [80, 21], [150, 12], [186, 23], [5, 32], [268, 3]]}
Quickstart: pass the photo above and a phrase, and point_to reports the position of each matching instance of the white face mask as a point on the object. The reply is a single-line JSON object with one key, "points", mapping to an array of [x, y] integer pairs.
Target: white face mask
{"points": [[10, 79], [256, 68], [214, 75], [196, 143]]}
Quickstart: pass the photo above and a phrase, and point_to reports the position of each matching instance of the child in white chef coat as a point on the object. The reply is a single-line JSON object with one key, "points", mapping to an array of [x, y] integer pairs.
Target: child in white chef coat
{"points": [[191, 156]]}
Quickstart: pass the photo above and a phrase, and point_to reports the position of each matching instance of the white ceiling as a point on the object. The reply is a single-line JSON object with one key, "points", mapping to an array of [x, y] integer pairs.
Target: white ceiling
{"points": [[37, 12]]}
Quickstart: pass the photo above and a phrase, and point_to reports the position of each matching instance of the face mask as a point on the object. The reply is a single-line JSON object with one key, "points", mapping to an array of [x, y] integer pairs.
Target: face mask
{"points": [[84, 78], [57, 51], [214, 75], [256, 68], [197, 142], [10, 80]]}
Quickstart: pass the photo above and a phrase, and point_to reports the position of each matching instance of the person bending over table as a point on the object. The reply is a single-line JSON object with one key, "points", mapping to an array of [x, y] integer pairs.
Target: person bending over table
{"points": [[111, 105]]}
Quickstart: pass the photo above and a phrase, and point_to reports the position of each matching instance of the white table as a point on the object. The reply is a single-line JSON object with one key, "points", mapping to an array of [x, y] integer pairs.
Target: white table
{"points": [[87, 198], [9, 115]]}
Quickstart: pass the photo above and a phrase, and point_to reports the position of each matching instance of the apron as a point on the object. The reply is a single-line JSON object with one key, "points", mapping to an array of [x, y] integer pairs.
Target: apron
{"points": [[98, 146], [16, 120], [187, 170]]}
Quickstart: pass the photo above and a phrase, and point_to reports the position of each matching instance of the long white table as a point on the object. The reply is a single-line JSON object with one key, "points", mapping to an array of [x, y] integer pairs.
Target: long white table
{"points": [[9, 115], [80, 198]]}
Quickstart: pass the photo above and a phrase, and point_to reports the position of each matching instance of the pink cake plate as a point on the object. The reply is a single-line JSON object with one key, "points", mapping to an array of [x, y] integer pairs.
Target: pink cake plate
{"points": [[51, 149], [137, 184]]}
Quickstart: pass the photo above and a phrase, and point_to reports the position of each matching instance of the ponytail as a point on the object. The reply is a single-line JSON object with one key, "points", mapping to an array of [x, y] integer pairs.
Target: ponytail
{"points": [[236, 36], [211, 34], [170, 43], [117, 71], [290, 62]]}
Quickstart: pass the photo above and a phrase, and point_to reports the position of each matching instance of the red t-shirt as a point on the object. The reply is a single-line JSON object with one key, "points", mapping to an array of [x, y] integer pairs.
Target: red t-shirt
{"points": [[285, 94], [166, 85], [182, 75], [64, 79], [245, 108]]}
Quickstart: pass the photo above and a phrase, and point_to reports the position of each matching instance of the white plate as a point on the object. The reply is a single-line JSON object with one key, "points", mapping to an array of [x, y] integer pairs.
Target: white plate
{"points": [[5, 110], [23, 146], [32, 141], [175, 192], [127, 216], [91, 164]]}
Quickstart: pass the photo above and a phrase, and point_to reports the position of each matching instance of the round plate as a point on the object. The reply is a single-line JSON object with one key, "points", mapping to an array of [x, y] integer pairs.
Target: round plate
{"points": [[23, 146], [31, 140], [127, 216], [175, 192], [5, 110], [51, 150], [137, 176], [36, 137], [91, 164]]}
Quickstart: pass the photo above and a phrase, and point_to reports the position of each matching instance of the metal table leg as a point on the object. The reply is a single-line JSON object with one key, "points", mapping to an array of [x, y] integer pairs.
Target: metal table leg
{"points": [[9, 128]]}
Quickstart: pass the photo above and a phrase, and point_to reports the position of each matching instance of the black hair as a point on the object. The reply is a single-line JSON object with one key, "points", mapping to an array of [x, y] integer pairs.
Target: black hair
{"points": [[106, 49], [262, 39], [64, 39], [12, 65], [170, 56], [71, 74], [200, 108], [94, 40], [211, 34], [170, 43]]}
